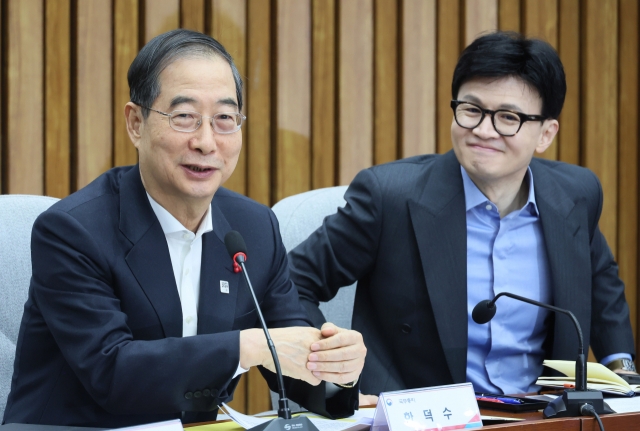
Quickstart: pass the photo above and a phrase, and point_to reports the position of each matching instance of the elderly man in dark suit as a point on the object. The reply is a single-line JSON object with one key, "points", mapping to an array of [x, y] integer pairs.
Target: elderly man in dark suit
{"points": [[428, 237], [134, 312]]}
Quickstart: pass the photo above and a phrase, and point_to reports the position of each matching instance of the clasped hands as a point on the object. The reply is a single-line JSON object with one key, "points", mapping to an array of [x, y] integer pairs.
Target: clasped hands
{"points": [[331, 353]]}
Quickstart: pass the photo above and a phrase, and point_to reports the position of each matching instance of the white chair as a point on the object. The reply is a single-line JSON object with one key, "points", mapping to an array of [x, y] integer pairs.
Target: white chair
{"points": [[299, 215], [17, 214]]}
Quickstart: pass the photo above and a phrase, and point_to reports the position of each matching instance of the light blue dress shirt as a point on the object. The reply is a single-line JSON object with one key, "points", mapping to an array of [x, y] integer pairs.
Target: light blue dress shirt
{"points": [[508, 254], [505, 355]]}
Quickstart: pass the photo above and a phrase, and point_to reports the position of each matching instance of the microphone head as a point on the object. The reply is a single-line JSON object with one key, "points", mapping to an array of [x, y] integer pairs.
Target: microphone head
{"points": [[234, 243], [483, 311]]}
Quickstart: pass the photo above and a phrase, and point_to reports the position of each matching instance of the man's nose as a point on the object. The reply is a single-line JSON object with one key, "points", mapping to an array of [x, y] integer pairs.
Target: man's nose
{"points": [[206, 139], [486, 129]]}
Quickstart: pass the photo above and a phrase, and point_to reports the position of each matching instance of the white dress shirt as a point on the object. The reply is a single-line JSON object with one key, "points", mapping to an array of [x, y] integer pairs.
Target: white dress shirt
{"points": [[185, 250]]}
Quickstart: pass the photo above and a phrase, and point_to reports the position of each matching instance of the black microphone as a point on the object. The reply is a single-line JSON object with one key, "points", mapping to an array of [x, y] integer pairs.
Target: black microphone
{"points": [[237, 249], [572, 400]]}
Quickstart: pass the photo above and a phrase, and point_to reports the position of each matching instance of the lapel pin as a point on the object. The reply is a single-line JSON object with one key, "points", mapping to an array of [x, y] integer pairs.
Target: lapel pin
{"points": [[224, 286]]}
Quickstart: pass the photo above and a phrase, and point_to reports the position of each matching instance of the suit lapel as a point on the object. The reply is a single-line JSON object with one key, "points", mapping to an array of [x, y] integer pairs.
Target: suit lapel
{"points": [[565, 230], [149, 258], [439, 222], [216, 309]]}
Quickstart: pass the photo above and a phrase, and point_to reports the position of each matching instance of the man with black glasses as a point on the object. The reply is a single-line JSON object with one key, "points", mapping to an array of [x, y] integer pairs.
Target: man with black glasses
{"points": [[135, 313], [428, 237]]}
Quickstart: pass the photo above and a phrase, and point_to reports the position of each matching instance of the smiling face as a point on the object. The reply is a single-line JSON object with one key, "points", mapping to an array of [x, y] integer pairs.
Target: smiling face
{"points": [[179, 168], [489, 158]]}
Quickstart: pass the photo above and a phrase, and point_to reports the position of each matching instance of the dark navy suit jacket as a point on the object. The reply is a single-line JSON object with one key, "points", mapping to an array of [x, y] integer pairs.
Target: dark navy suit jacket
{"points": [[100, 342], [403, 236]]}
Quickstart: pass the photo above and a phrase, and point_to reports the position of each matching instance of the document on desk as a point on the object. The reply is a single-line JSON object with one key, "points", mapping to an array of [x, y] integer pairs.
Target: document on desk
{"points": [[624, 405], [323, 424]]}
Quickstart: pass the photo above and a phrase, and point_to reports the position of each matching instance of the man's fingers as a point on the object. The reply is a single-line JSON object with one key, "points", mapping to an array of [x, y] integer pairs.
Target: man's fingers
{"points": [[349, 366], [329, 330], [341, 339], [356, 351]]}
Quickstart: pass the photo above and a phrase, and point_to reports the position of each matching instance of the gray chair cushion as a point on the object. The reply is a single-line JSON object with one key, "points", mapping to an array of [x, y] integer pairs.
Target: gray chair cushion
{"points": [[17, 214], [299, 216]]}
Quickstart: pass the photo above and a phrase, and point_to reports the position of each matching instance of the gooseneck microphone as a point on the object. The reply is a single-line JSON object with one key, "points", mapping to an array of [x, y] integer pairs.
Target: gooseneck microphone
{"points": [[572, 399], [237, 249]]}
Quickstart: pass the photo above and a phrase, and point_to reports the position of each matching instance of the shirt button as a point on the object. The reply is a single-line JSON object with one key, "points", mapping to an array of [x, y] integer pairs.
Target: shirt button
{"points": [[189, 319], [186, 271], [186, 236], [488, 207]]}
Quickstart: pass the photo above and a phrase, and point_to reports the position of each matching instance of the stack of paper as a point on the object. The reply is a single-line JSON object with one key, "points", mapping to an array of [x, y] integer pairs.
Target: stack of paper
{"points": [[599, 378]]}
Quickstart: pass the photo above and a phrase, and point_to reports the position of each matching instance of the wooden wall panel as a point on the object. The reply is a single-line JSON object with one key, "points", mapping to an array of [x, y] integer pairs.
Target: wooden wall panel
{"points": [[192, 15], [293, 97], [160, 16], [228, 23], [355, 87], [569, 49], [600, 105], [387, 109], [323, 94], [541, 21], [509, 15], [57, 104], [125, 48], [448, 50], [480, 16], [257, 147], [25, 97], [419, 77], [628, 153], [257, 134], [94, 90]]}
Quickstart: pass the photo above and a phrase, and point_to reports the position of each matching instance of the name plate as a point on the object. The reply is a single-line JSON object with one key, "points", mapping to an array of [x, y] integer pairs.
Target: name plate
{"points": [[448, 407]]}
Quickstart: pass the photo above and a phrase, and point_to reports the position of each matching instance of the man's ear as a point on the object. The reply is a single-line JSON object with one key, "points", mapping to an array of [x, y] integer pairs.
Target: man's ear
{"points": [[549, 131], [135, 122]]}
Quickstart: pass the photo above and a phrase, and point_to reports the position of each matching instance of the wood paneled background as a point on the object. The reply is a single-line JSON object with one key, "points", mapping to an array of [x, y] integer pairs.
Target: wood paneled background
{"points": [[331, 87]]}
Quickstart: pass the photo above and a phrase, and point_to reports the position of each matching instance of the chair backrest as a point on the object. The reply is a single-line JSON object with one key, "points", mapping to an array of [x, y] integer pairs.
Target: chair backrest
{"points": [[17, 214], [299, 215]]}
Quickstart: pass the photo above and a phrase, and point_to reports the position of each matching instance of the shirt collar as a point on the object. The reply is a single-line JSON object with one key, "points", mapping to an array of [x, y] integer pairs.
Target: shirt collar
{"points": [[170, 224], [474, 197]]}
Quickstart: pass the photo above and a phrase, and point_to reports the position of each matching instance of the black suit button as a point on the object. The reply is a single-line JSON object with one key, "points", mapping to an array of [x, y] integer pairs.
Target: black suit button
{"points": [[206, 393], [406, 328], [188, 395], [197, 394], [214, 392]]}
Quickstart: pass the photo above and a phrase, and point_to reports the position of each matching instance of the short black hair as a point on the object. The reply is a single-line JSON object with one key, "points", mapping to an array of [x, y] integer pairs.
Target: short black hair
{"points": [[510, 54], [161, 51]]}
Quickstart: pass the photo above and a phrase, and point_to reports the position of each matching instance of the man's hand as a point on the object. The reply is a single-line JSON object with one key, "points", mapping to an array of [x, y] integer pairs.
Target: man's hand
{"points": [[339, 356], [292, 346]]}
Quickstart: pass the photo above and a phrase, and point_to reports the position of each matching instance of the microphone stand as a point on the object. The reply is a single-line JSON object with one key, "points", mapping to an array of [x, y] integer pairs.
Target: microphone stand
{"points": [[284, 421], [572, 400]]}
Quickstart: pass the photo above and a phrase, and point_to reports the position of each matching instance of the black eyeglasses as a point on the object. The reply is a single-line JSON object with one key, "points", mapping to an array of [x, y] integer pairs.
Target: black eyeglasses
{"points": [[506, 123]]}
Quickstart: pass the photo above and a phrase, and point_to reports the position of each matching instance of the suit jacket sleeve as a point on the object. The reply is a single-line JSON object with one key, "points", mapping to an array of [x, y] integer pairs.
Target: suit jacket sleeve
{"points": [[342, 250], [610, 324]]}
